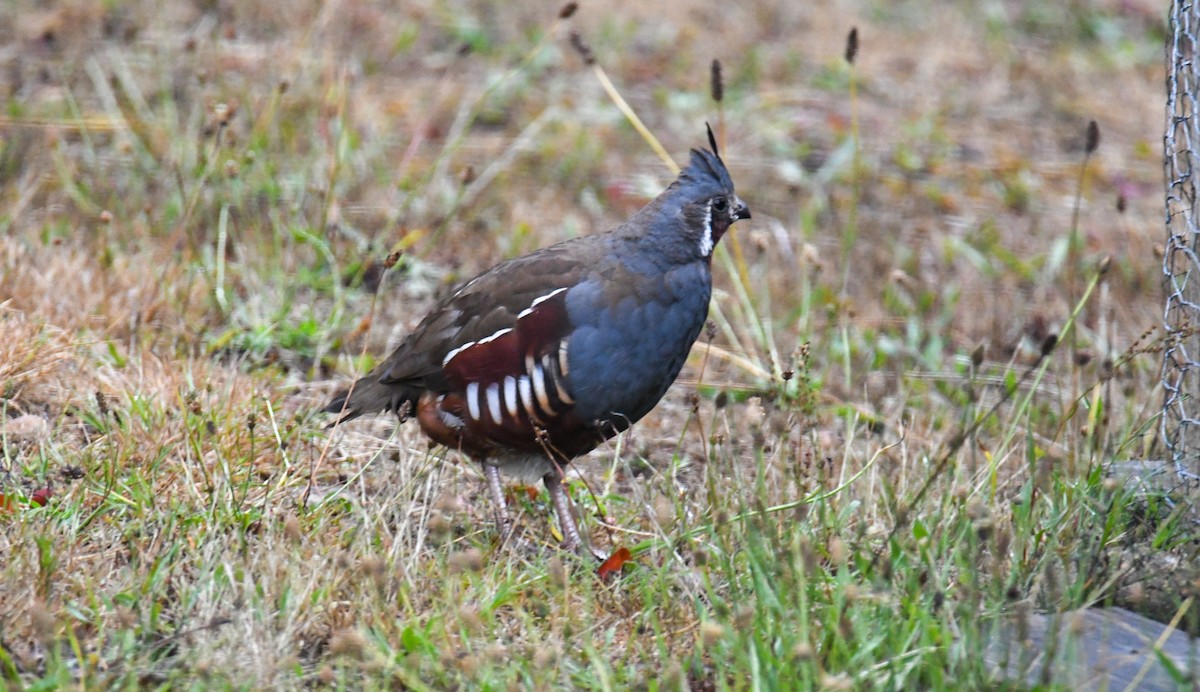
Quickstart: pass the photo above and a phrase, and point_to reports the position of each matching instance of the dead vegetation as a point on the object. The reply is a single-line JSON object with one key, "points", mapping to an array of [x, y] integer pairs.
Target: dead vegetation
{"points": [[195, 202]]}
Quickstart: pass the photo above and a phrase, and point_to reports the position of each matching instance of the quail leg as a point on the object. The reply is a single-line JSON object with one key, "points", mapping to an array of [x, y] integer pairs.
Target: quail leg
{"points": [[562, 506], [503, 521]]}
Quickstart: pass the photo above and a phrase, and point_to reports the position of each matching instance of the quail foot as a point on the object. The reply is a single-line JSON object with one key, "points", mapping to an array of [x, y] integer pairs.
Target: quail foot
{"points": [[543, 357]]}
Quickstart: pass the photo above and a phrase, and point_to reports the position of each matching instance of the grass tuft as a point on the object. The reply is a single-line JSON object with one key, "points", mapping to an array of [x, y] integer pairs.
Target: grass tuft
{"points": [[919, 421]]}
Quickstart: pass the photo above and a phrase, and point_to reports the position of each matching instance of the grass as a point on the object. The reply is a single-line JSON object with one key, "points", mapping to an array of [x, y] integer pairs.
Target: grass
{"points": [[878, 456]]}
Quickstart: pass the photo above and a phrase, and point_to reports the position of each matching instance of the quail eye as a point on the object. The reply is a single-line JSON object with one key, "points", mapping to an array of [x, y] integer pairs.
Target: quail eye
{"points": [[720, 204]]}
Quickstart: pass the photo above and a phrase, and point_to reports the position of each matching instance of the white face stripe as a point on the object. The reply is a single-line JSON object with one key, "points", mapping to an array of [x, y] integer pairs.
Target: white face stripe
{"points": [[473, 400], [493, 401], [706, 240], [510, 396]]}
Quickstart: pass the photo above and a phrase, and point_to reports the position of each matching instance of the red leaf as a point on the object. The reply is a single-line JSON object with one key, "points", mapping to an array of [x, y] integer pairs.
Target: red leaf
{"points": [[614, 563], [41, 496], [510, 493], [6, 503]]}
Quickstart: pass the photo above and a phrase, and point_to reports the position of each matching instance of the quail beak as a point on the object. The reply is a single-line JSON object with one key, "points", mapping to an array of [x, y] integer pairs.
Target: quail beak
{"points": [[741, 211]]}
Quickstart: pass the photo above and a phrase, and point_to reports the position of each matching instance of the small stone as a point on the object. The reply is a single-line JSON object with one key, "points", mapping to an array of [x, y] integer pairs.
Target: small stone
{"points": [[28, 428]]}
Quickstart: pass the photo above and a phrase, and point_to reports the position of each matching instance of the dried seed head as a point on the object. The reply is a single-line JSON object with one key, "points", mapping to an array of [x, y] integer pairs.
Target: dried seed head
{"points": [[711, 632], [496, 652], [717, 83], [468, 663], [1093, 137], [580, 47], [348, 643], [568, 10], [392, 259], [1048, 344], [439, 526], [557, 571], [672, 677], [837, 551], [1002, 541], [664, 511], [468, 615], [1122, 203], [852, 45], [544, 657], [743, 617], [469, 560], [374, 568], [756, 414], [41, 621], [291, 529], [977, 356]]}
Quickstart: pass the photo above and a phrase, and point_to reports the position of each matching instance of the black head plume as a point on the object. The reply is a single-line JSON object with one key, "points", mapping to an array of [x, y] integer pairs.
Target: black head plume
{"points": [[706, 174]]}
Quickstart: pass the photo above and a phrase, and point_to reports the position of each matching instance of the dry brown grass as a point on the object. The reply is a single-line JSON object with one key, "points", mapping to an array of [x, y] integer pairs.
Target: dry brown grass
{"points": [[186, 189]]}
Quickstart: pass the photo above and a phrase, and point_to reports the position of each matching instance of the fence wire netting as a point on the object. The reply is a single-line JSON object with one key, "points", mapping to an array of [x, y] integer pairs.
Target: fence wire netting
{"points": [[1181, 256]]}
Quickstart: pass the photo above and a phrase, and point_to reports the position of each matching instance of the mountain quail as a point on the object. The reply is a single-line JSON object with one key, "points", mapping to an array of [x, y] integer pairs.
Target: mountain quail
{"points": [[543, 357]]}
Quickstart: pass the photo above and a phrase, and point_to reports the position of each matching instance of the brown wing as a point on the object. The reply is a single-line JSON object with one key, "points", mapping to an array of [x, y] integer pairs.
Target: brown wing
{"points": [[482, 309]]}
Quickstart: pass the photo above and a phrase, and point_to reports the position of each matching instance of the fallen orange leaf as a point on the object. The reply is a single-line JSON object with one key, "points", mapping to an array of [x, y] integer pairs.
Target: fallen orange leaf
{"points": [[41, 496], [614, 563]]}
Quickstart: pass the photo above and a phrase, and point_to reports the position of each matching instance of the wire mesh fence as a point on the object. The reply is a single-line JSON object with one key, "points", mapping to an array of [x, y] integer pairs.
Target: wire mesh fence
{"points": [[1181, 256]]}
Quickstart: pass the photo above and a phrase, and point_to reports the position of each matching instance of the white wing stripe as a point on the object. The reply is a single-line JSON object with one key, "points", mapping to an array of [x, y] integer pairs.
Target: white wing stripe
{"points": [[510, 396], [473, 400], [526, 390], [493, 401], [450, 356], [495, 336], [539, 387]]}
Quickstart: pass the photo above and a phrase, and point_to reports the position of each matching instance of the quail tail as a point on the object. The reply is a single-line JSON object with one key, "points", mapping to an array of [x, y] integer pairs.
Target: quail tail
{"points": [[368, 395]]}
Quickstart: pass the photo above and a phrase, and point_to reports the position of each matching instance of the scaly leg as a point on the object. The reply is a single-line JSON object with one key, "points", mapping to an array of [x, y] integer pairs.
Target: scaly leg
{"points": [[503, 522], [562, 506]]}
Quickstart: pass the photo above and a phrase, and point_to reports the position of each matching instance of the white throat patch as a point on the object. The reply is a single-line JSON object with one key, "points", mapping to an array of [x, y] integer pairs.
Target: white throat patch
{"points": [[706, 239]]}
